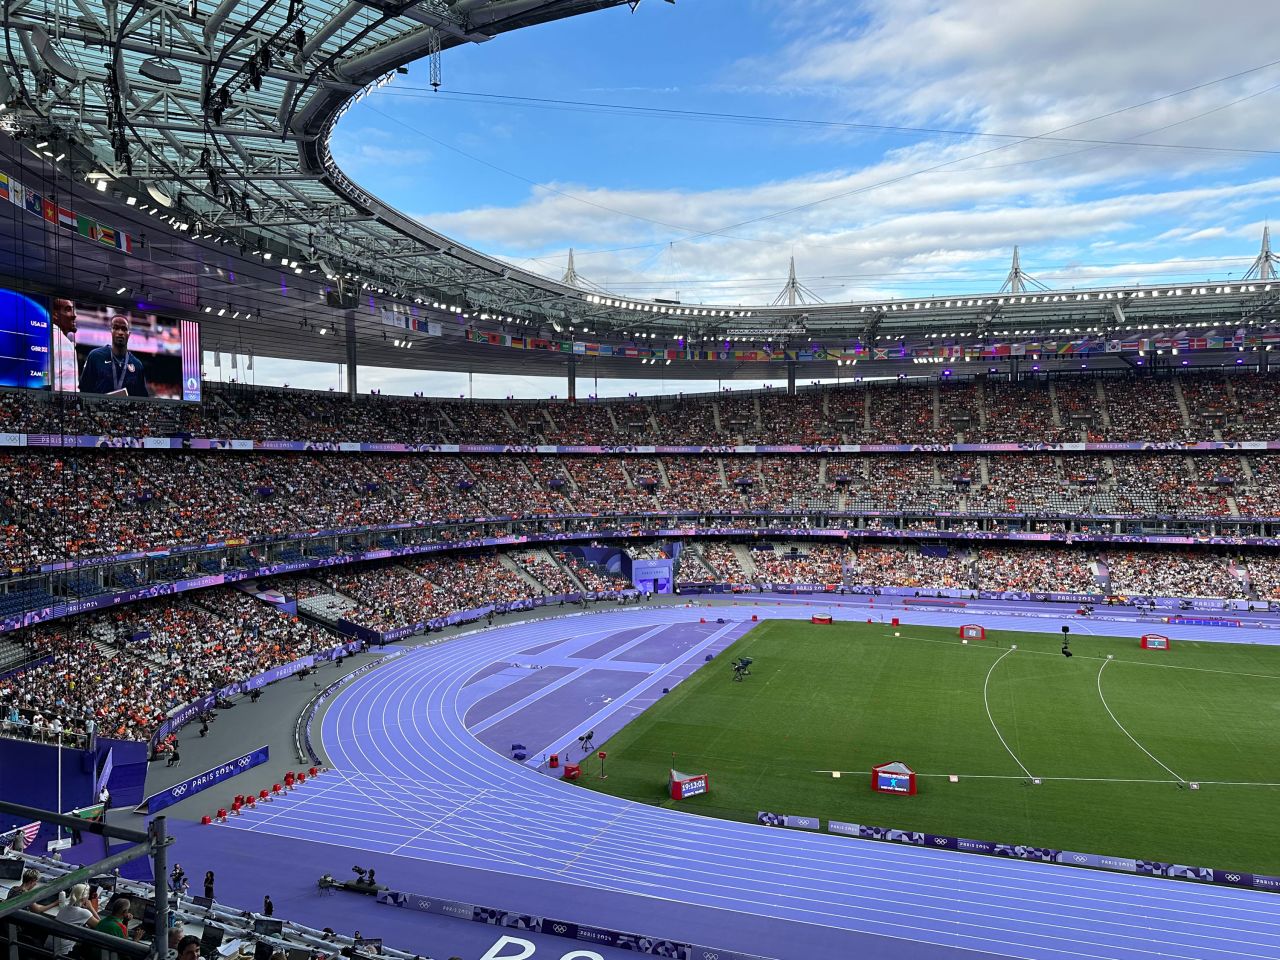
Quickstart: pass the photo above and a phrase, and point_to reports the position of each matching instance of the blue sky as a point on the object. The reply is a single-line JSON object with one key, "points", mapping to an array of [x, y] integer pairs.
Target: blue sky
{"points": [[656, 204]]}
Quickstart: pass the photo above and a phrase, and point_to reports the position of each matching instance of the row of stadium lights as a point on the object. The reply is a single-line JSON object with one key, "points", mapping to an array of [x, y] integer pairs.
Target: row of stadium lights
{"points": [[1070, 297], [947, 304], [663, 308]]}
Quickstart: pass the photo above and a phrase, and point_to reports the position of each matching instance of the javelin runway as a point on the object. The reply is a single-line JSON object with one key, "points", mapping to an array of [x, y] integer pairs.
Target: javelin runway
{"points": [[411, 780]]}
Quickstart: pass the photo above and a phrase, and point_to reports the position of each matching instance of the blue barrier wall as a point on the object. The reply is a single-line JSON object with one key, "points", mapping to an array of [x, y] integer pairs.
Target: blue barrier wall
{"points": [[31, 778], [128, 770]]}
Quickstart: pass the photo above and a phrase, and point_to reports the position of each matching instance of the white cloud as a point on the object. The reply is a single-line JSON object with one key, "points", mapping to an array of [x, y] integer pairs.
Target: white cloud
{"points": [[947, 207]]}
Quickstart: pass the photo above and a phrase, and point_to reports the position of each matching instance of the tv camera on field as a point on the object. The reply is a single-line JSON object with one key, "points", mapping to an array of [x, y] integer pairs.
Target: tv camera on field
{"points": [[742, 668]]}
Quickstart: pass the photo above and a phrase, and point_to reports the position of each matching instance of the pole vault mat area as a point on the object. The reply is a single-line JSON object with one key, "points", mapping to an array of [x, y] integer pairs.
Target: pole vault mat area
{"points": [[423, 788]]}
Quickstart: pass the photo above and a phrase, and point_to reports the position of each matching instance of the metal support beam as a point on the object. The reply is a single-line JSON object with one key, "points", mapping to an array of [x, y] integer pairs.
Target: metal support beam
{"points": [[572, 370], [353, 385], [160, 942], [791, 378]]}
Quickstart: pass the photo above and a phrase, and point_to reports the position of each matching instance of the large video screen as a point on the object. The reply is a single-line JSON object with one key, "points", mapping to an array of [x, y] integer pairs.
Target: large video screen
{"points": [[24, 340], [122, 352], [73, 346]]}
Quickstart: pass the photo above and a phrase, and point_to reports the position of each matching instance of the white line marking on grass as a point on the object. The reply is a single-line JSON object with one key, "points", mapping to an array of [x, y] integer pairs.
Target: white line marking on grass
{"points": [[1121, 725], [1085, 656], [1009, 776], [987, 703]]}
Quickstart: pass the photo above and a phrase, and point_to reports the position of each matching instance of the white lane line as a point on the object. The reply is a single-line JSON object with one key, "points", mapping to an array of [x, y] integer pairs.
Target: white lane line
{"points": [[1126, 732], [986, 702]]}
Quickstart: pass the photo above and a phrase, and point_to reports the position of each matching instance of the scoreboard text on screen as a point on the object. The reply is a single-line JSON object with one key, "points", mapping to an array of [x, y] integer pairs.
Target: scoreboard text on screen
{"points": [[893, 784]]}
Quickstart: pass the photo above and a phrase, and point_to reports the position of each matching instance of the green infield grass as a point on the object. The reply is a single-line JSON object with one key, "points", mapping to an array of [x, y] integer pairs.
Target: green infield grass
{"points": [[1116, 743]]}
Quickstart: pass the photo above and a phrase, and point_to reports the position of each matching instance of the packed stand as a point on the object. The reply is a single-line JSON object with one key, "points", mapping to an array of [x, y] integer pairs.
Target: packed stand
{"points": [[1034, 570], [810, 563], [1079, 408], [1018, 412], [121, 671], [1264, 575], [1210, 404], [1143, 410], [539, 565], [897, 566], [1171, 573], [722, 559], [1257, 400]]}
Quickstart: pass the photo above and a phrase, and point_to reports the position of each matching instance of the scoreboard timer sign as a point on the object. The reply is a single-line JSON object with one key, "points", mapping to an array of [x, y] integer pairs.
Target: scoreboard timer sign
{"points": [[1154, 641], [896, 778], [893, 783]]}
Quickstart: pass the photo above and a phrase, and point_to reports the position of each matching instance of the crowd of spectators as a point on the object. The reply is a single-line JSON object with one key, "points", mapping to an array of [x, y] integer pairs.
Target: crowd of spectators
{"points": [[723, 562], [1034, 570], [539, 565], [1017, 410], [1253, 410], [1144, 410], [1079, 407], [899, 566], [120, 671], [1242, 406], [1171, 573], [1264, 575], [801, 563], [57, 505]]}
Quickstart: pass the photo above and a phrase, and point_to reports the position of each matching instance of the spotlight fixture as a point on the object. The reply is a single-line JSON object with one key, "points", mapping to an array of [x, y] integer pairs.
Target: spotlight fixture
{"points": [[161, 71], [159, 196]]}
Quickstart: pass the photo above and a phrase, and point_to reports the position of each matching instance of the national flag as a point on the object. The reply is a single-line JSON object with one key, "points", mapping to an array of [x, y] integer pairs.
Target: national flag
{"points": [[124, 241], [880, 353], [66, 218], [87, 228], [28, 832], [17, 193], [4, 187], [50, 211], [106, 235], [34, 203], [1113, 346]]}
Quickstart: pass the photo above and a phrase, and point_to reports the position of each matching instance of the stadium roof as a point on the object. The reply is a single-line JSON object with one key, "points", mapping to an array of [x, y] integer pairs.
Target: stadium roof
{"points": [[216, 117]]}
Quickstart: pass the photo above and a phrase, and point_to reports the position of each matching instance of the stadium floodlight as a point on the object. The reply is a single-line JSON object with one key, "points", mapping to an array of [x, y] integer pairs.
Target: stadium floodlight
{"points": [[158, 195]]}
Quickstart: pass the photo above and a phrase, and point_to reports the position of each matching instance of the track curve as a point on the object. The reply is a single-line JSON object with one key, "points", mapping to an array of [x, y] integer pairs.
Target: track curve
{"points": [[416, 783]]}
